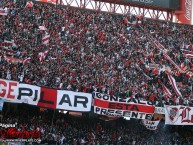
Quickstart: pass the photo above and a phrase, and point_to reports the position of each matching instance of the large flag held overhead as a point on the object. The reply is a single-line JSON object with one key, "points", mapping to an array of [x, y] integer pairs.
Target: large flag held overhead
{"points": [[42, 55], [4, 11], [173, 83]]}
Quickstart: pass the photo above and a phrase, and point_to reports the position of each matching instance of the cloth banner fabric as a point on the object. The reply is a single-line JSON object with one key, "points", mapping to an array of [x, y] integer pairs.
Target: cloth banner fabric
{"points": [[178, 115], [151, 125], [118, 107], [159, 110], [4, 11], [15, 92]]}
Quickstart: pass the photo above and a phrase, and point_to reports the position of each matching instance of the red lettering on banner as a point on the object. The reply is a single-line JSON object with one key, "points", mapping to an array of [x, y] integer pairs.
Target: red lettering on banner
{"points": [[11, 84], [3, 90], [123, 106], [185, 114], [48, 98], [191, 118]]}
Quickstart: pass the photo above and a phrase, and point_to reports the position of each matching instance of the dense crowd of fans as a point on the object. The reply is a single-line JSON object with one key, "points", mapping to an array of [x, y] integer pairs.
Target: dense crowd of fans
{"points": [[90, 130], [93, 51]]}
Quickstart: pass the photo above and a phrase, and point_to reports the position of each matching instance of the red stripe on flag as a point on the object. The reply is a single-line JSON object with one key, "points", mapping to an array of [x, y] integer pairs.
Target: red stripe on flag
{"points": [[174, 85], [123, 106]]}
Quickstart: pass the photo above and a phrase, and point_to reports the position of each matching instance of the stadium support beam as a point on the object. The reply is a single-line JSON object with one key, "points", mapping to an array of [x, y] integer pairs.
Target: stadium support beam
{"points": [[152, 13]]}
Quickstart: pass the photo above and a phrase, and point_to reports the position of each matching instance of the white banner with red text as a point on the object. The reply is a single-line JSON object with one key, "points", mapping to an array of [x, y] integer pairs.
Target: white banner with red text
{"points": [[15, 92], [118, 107], [178, 115]]}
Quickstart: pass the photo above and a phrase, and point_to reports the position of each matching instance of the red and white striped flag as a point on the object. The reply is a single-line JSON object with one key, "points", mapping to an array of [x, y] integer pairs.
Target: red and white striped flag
{"points": [[43, 28], [4, 11], [187, 53], [168, 57], [42, 55], [46, 39], [165, 89], [173, 83], [29, 5], [27, 60]]}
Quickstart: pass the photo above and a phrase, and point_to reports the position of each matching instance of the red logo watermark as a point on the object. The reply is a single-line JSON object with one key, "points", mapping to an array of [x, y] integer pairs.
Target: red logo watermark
{"points": [[23, 136]]}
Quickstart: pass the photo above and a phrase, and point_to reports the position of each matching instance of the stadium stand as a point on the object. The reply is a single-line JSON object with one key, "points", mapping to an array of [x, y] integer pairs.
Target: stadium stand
{"points": [[87, 51]]}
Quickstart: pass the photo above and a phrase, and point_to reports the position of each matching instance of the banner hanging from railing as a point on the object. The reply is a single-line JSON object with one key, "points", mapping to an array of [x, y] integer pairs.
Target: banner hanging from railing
{"points": [[12, 91], [118, 107], [178, 115], [151, 125]]}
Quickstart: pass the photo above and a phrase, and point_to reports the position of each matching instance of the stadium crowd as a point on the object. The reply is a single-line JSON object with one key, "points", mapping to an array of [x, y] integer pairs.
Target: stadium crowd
{"points": [[65, 129], [88, 51]]}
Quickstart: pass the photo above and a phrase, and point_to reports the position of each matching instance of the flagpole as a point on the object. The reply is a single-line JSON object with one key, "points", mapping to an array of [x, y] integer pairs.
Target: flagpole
{"points": [[53, 117]]}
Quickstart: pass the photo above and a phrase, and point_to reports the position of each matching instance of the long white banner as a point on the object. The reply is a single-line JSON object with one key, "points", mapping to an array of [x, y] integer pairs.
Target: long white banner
{"points": [[178, 115], [15, 92]]}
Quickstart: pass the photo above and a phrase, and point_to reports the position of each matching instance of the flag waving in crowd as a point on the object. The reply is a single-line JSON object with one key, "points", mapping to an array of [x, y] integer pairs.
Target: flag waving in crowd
{"points": [[46, 39], [174, 85], [42, 55], [29, 5], [4, 11]]}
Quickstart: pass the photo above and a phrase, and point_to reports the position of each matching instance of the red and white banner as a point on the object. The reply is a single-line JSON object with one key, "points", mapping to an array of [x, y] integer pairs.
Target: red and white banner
{"points": [[178, 115], [46, 39], [42, 55], [29, 5], [7, 44], [14, 92], [151, 125], [118, 107], [4, 11], [43, 28], [187, 53], [51, 1], [48, 1], [174, 85], [27, 60], [13, 60]]}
